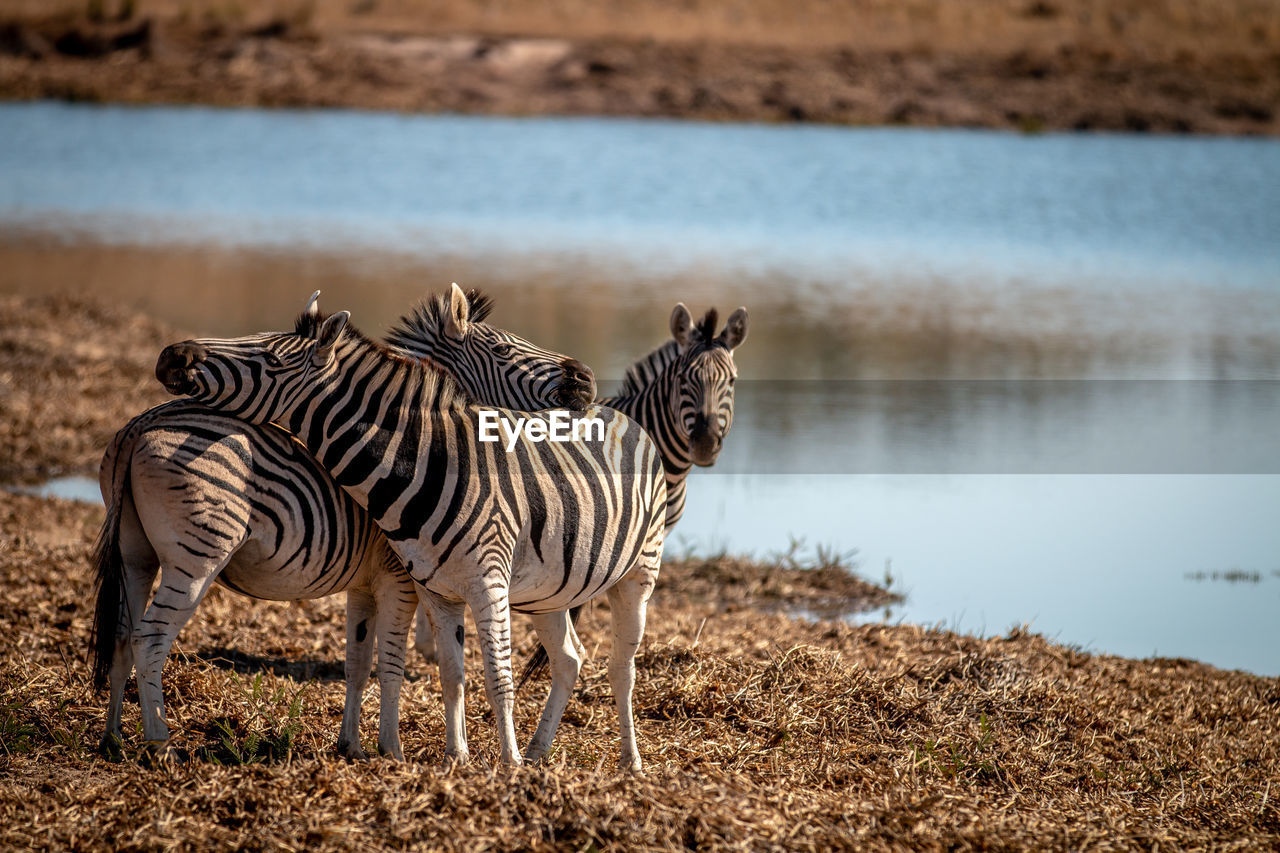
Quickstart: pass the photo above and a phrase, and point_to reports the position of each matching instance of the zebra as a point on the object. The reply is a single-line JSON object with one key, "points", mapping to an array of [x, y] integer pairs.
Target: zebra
{"points": [[199, 496], [539, 528], [682, 394]]}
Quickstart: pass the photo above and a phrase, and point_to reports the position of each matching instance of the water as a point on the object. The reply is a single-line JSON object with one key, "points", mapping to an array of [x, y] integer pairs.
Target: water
{"points": [[1054, 209], [71, 488], [1038, 376], [1106, 562]]}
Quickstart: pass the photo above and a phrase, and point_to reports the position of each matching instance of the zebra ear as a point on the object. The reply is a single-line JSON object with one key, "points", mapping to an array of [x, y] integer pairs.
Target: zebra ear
{"points": [[735, 331], [313, 305], [327, 338], [681, 325], [455, 320]]}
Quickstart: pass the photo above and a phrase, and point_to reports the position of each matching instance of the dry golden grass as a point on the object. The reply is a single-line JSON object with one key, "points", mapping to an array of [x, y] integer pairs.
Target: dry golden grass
{"points": [[72, 372], [758, 732], [1162, 65], [1160, 26]]}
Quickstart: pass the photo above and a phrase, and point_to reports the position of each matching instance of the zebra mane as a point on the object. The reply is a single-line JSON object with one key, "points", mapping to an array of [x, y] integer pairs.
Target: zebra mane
{"points": [[447, 392], [425, 323], [308, 325], [705, 330], [645, 370]]}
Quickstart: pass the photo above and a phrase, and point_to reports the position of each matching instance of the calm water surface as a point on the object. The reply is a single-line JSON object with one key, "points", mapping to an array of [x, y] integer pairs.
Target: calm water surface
{"points": [[1038, 377]]}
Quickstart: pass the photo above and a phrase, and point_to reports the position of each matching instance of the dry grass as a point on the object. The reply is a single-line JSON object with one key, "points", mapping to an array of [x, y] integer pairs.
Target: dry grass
{"points": [[1159, 26], [1161, 65], [765, 732], [72, 372], [796, 580], [759, 731]]}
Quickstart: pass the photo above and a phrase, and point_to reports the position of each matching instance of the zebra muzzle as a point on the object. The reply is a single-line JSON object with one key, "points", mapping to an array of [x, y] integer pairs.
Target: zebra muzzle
{"points": [[704, 442], [577, 388], [175, 367]]}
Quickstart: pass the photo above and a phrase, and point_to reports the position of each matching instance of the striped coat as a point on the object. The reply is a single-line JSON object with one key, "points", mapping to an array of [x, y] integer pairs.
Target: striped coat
{"points": [[201, 497], [541, 527]]}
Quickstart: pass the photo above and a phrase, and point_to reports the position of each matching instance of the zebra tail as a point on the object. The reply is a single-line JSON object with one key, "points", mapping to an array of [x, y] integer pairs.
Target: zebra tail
{"points": [[109, 565], [538, 663]]}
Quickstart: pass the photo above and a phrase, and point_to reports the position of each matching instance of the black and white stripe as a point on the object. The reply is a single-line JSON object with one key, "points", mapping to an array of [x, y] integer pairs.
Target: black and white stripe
{"points": [[198, 496], [491, 364], [540, 529], [682, 394]]}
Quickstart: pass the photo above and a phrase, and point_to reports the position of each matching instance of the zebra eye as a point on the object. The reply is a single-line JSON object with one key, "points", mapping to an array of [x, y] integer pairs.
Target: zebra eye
{"points": [[503, 350], [273, 360], [732, 380]]}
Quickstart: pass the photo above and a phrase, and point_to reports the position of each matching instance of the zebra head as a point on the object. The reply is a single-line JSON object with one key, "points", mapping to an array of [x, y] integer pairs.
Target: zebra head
{"points": [[257, 377], [492, 365], [705, 375]]}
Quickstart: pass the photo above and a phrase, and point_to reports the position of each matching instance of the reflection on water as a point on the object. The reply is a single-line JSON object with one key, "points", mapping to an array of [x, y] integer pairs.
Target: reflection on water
{"points": [[1039, 374], [1099, 561], [904, 329], [1024, 426]]}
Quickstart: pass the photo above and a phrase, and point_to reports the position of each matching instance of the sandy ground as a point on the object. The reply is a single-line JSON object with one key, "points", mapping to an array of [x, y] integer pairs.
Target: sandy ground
{"points": [[1141, 65], [72, 372], [759, 731]]}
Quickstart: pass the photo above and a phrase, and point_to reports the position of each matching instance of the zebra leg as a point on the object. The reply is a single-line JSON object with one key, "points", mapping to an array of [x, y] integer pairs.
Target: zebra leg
{"points": [[180, 592], [140, 566], [489, 608], [447, 620], [424, 639], [555, 631], [361, 612], [628, 599], [397, 601], [573, 637]]}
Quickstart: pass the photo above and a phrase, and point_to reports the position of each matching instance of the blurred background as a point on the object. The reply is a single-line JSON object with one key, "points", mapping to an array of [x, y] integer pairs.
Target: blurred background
{"points": [[1013, 268]]}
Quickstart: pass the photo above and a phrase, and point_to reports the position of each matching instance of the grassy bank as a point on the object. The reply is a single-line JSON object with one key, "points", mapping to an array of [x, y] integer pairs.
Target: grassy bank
{"points": [[72, 372], [759, 730], [1162, 65]]}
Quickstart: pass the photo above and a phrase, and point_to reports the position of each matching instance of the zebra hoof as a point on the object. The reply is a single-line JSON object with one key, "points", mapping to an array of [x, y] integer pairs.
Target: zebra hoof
{"points": [[631, 766], [111, 747], [393, 754], [461, 759], [157, 754], [352, 751]]}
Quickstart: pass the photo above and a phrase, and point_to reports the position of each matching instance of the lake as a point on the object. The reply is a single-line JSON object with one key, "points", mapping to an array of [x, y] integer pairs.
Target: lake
{"points": [[1037, 378]]}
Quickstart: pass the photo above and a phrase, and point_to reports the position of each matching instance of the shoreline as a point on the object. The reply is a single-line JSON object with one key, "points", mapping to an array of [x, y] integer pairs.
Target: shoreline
{"points": [[1029, 83], [757, 730], [1173, 133]]}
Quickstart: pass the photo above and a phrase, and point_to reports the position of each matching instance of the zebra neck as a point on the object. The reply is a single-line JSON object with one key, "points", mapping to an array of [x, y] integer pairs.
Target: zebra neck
{"points": [[650, 407], [357, 423], [675, 499], [645, 371], [645, 397]]}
